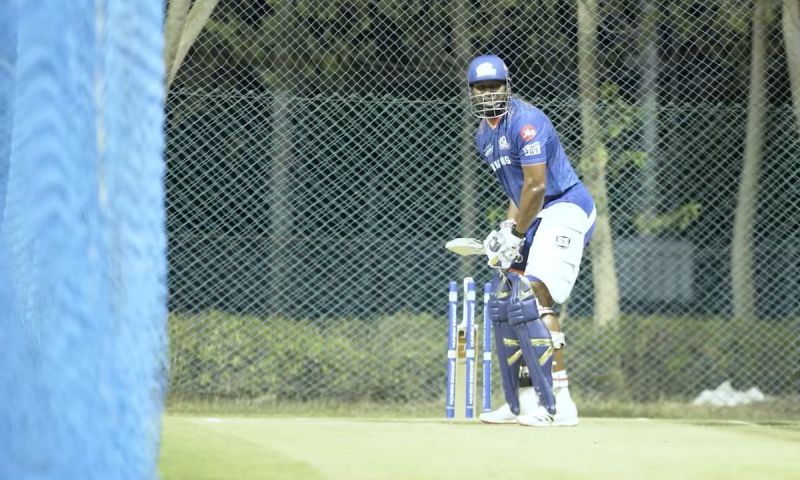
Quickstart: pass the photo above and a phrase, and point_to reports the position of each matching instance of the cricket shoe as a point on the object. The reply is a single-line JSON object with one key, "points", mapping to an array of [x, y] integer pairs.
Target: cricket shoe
{"points": [[539, 417], [566, 410], [528, 401], [566, 413]]}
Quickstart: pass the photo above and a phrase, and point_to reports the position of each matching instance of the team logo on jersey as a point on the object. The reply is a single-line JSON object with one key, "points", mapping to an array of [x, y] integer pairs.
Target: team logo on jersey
{"points": [[528, 132], [503, 143], [488, 151], [485, 70], [532, 149]]}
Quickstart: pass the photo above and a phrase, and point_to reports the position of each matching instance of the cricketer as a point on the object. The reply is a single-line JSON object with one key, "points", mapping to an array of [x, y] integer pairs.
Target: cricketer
{"points": [[536, 252]]}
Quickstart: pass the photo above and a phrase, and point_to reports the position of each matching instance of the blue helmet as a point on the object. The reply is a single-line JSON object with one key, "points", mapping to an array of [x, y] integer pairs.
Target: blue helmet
{"points": [[488, 103], [487, 67]]}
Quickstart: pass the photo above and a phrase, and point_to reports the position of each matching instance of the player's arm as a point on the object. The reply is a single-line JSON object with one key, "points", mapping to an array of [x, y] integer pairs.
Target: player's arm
{"points": [[512, 210], [532, 196]]}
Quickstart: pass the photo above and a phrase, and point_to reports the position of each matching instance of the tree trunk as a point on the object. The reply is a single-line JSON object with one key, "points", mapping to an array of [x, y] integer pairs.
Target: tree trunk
{"points": [[649, 98], [594, 158], [791, 39], [743, 288], [173, 27], [469, 164], [280, 196], [183, 24], [280, 185]]}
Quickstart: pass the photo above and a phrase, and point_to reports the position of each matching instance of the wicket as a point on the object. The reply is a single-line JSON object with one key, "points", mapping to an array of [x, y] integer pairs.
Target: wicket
{"points": [[460, 391]]}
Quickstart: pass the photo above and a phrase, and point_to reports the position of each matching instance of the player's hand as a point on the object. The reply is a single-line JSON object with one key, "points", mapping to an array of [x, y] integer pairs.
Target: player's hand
{"points": [[502, 247]]}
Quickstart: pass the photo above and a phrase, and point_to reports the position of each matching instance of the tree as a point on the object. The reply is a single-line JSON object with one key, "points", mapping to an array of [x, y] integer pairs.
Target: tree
{"points": [[791, 41], [461, 55], [593, 161], [280, 184], [185, 20], [649, 97], [742, 247]]}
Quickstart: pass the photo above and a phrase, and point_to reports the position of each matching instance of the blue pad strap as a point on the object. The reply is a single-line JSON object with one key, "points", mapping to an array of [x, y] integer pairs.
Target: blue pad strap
{"points": [[534, 339], [505, 340]]}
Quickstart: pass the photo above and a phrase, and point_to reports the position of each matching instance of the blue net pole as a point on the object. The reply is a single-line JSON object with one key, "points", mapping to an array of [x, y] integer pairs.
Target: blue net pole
{"points": [[82, 241]]}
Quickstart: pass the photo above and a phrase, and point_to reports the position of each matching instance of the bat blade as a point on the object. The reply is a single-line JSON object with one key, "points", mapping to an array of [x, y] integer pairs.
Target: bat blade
{"points": [[465, 246]]}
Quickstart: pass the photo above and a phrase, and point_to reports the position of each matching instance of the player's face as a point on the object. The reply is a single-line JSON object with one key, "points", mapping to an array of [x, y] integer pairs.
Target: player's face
{"points": [[489, 99], [492, 86]]}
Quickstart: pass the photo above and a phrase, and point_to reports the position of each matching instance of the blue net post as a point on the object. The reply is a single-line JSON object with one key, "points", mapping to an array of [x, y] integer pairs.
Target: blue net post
{"points": [[82, 240]]}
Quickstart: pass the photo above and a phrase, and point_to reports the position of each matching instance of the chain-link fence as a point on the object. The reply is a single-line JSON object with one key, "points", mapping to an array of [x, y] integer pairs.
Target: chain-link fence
{"points": [[320, 154]]}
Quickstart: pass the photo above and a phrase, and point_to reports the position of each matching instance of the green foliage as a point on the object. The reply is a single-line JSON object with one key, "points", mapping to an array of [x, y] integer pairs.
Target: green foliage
{"points": [[495, 215], [635, 158], [618, 115], [690, 20], [664, 357], [677, 219], [394, 359], [222, 355]]}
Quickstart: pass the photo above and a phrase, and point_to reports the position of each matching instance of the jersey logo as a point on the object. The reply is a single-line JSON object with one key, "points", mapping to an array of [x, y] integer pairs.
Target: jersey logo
{"points": [[503, 142], [532, 149], [488, 151], [528, 132]]}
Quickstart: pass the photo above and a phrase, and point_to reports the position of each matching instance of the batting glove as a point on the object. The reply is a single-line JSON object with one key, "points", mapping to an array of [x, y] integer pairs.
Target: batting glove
{"points": [[502, 246]]}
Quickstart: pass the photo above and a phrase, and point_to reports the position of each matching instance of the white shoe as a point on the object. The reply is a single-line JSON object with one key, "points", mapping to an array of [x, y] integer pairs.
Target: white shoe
{"points": [[499, 416], [537, 418], [566, 413], [566, 410], [528, 402]]}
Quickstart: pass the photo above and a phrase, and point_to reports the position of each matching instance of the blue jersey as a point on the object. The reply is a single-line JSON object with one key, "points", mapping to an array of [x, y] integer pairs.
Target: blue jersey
{"points": [[525, 136]]}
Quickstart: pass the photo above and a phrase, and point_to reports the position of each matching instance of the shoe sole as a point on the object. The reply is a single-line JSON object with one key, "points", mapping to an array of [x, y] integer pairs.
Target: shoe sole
{"points": [[551, 424], [565, 424], [569, 421], [504, 422]]}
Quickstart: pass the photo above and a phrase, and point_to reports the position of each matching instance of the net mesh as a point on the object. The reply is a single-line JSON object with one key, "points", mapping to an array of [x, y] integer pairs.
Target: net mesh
{"points": [[82, 239], [320, 154]]}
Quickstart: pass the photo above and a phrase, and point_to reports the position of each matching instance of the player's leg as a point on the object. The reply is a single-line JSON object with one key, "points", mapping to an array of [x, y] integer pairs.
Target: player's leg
{"points": [[555, 255], [566, 410], [535, 344], [528, 400], [507, 349], [520, 336]]}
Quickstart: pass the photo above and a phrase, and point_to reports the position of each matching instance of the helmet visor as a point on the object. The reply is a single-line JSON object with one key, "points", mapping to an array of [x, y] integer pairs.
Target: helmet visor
{"points": [[489, 99]]}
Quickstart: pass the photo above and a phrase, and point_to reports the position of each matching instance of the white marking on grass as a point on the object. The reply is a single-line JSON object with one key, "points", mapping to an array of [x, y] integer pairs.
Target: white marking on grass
{"points": [[740, 422]]}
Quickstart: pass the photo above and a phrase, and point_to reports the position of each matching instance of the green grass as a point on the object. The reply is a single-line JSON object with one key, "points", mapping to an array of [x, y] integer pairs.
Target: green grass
{"points": [[250, 448], [774, 410]]}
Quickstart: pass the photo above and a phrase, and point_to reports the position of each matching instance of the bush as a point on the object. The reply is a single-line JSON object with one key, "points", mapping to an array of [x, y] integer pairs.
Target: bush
{"points": [[654, 357], [396, 359], [234, 356]]}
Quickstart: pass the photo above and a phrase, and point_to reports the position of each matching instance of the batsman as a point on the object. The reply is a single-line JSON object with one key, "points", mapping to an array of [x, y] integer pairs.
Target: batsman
{"points": [[536, 252]]}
